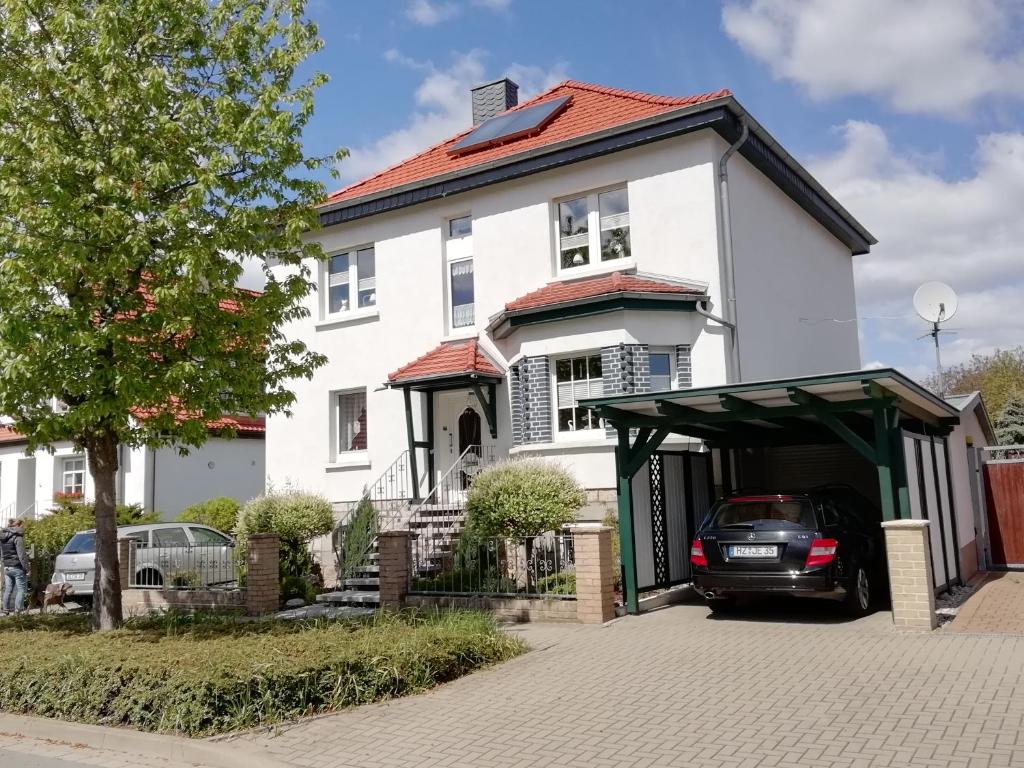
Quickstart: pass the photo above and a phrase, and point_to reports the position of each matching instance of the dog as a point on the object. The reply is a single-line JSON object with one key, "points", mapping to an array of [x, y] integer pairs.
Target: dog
{"points": [[54, 594]]}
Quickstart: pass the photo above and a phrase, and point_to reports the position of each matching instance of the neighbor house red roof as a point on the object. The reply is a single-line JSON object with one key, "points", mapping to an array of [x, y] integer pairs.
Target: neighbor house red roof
{"points": [[248, 425], [451, 359], [616, 282], [592, 108]]}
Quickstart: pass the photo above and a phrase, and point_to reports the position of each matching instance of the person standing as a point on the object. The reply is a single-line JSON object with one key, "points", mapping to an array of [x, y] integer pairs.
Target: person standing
{"points": [[15, 562]]}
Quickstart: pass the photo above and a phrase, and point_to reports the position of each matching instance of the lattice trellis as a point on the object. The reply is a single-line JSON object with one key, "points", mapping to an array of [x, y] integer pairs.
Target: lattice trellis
{"points": [[659, 534]]}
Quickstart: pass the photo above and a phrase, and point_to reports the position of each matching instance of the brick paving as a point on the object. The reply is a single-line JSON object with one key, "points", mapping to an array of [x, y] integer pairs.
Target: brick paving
{"points": [[997, 607], [677, 687]]}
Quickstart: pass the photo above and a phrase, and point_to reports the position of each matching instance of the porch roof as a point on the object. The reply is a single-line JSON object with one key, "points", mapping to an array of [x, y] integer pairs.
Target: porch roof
{"points": [[448, 363]]}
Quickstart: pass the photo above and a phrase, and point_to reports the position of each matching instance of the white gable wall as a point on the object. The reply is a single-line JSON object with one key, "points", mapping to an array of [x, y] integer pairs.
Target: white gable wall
{"points": [[788, 267]]}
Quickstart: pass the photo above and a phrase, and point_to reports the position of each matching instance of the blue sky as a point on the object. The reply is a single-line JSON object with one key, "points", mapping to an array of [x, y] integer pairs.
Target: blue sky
{"points": [[909, 111]]}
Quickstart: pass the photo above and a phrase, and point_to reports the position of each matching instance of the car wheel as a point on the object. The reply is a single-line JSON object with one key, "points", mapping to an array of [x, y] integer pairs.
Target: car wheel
{"points": [[858, 596]]}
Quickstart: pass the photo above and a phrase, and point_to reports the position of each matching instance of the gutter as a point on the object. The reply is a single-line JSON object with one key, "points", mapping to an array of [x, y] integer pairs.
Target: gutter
{"points": [[729, 287]]}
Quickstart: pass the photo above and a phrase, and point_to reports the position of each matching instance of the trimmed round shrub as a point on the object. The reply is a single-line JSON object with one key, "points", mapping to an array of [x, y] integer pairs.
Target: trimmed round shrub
{"points": [[220, 513], [296, 517], [522, 498]]}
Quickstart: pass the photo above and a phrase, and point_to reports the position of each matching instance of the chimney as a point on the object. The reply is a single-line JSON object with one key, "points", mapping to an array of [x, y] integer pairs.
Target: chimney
{"points": [[491, 99]]}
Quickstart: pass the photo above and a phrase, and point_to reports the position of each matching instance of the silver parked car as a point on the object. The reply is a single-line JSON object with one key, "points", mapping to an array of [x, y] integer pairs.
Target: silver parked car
{"points": [[165, 554]]}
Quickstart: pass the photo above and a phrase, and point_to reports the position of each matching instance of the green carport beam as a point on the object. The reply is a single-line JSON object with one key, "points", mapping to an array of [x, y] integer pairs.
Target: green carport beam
{"points": [[627, 541], [833, 422], [883, 451]]}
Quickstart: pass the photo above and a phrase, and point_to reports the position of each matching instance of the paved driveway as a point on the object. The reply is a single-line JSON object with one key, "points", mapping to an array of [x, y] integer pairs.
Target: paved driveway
{"points": [[678, 688], [997, 607]]}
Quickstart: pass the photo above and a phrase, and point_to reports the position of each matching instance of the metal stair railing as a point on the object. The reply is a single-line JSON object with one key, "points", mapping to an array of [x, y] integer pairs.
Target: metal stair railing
{"points": [[389, 496], [437, 519]]}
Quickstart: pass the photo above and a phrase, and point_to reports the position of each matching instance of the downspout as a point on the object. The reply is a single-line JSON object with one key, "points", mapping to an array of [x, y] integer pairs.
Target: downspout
{"points": [[729, 289], [702, 309]]}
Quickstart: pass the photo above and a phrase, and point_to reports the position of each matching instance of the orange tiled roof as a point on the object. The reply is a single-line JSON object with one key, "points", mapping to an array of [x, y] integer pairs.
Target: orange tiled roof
{"points": [[616, 282], [592, 108], [250, 425], [452, 359]]}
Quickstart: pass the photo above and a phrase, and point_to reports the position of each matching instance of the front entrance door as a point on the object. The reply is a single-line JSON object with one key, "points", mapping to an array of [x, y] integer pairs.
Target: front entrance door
{"points": [[460, 423]]}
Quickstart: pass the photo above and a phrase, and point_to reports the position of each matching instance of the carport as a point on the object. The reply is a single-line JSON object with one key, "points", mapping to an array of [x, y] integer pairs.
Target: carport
{"points": [[882, 419]]}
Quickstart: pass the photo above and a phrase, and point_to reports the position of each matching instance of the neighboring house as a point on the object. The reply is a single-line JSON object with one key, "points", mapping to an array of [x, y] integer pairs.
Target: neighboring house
{"points": [[584, 242], [158, 480]]}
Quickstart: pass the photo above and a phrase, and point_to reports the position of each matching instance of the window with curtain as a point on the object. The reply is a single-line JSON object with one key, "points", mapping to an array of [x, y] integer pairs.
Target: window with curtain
{"points": [[352, 428], [575, 379], [593, 228]]}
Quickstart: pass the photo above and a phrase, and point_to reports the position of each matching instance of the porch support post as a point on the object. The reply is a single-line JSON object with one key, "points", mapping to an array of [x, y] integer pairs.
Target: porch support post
{"points": [[429, 397], [407, 394], [627, 544], [489, 405]]}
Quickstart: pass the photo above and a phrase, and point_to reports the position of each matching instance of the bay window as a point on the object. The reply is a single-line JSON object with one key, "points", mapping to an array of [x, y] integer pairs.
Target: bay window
{"points": [[661, 371], [593, 229], [577, 378]]}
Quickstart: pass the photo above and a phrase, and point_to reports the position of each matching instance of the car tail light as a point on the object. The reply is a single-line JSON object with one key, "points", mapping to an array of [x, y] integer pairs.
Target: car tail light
{"points": [[823, 552], [697, 553]]}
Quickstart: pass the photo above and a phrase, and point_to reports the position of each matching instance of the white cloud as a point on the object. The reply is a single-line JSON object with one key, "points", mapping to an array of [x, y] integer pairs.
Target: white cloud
{"points": [[967, 232], [929, 56], [428, 13], [442, 107], [494, 5]]}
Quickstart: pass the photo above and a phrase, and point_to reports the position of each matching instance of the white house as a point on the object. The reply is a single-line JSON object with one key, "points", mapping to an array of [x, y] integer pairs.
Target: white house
{"points": [[158, 480], [589, 241]]}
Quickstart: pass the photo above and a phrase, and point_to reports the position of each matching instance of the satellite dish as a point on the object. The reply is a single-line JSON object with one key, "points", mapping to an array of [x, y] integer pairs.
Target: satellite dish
{"points": [[935, 302]]}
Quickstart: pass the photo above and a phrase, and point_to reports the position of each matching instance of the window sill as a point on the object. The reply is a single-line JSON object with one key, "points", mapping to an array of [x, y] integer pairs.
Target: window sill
{"points": [[358, 460], [604, 268], [564, 444], [344, 318], [461, 334]]}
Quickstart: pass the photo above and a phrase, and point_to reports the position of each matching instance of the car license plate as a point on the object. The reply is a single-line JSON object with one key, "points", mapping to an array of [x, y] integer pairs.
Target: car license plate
{"points": [[753, 550], [74, 576]]}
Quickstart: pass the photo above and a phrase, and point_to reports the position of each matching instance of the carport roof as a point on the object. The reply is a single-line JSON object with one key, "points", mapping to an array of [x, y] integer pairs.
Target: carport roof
{"points": [[778, 408]]}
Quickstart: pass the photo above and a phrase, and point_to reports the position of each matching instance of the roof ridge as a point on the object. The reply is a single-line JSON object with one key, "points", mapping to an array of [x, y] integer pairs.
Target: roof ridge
{"points": [[651, 98]]}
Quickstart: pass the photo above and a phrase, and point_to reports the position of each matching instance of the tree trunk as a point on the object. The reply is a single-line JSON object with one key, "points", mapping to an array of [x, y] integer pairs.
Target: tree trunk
{"points": [[106, 601]]}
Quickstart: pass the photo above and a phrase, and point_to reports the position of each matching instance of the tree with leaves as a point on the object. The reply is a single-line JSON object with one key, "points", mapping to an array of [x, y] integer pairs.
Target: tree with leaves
{"points": [[997, 376], [1009, 424], [149, 148]]}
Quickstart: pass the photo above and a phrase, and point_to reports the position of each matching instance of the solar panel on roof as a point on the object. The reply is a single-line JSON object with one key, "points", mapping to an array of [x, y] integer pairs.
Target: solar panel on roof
{"points": [[511, 125]]}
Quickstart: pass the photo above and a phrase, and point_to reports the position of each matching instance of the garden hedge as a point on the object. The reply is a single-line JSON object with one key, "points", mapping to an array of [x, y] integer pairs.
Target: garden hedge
{"points": [[199, 678]]}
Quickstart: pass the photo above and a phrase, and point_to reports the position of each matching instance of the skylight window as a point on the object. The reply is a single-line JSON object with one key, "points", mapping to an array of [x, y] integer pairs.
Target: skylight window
{"points": [[511, 125]]}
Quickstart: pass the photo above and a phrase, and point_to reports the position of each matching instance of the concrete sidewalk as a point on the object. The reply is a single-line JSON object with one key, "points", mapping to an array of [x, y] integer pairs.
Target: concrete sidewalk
{"points": [[122, 747]]}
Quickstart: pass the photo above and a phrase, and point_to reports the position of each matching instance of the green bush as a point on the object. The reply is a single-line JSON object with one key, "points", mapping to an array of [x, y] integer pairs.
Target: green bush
{"points": [[522, 498], [297, 586], [200, 675], [296, 517], [51, 532], [220, 513], [562, 583], [357, 536]]}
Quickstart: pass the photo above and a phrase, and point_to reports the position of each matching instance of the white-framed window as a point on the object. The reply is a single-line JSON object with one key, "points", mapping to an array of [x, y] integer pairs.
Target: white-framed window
{"points": [[351, 281], [73, 475], [458, 250], [593, 229], [352, 423], [577, 378], [662, 370]]}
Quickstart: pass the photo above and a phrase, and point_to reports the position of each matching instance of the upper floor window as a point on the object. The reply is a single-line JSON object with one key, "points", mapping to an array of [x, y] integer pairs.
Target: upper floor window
{"points": [[459, 255], [351, 281], [593, 229], [352, 424], [577, 378]]}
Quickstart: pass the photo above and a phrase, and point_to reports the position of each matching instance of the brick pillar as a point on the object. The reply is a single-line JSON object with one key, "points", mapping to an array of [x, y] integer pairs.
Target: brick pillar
{"points": [[124, 564], [908, 551], [595, 574], [263, 581], [395, 562]]}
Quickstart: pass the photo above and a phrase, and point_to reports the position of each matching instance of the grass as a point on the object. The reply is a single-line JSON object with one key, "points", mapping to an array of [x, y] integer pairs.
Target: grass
{"points": [[207, 674]]}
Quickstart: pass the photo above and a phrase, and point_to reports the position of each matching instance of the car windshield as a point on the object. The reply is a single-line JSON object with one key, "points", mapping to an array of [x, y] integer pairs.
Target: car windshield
{"points": [[80, 544], [750, 513]]}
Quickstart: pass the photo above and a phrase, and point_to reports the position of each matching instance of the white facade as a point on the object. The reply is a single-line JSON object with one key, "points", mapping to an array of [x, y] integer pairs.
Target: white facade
{"points": [[160, 481], [787, 267]]}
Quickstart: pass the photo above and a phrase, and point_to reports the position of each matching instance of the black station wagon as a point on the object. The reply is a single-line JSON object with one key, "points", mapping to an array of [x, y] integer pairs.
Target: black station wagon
{"points": [[825, 542]]}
